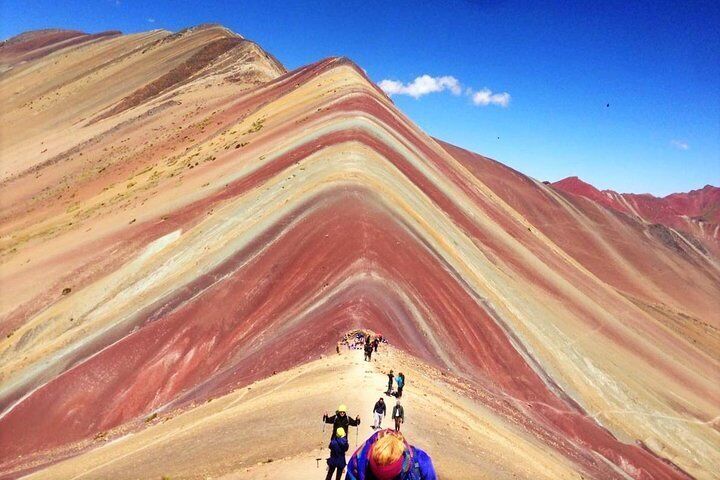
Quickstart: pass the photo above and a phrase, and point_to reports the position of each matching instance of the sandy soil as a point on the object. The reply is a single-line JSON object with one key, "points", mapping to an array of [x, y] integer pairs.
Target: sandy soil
{"points": [[273, 428], [236, 224]]}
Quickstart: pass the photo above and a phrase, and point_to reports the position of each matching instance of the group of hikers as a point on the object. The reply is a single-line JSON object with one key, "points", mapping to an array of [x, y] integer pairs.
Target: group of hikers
{"points": [[399, 380], [370, 347], [398, 414], [386, 455], [362, 340]]}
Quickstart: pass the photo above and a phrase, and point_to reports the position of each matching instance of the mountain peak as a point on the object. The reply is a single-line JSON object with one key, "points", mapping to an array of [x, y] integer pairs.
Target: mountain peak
{"points": [[192, 238], [685, 211]]}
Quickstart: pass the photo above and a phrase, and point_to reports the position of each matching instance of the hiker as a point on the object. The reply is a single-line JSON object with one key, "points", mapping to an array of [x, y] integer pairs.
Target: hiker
{"points": [[378, 414], [386, 455], [368, 351], [400, 380], [391, 377], [398, 414], [341, 419], [338, 446], [375, 344]]}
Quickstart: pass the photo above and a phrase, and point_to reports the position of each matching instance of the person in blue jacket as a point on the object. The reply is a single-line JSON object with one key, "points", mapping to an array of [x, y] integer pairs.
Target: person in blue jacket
{"points": [[338, 446], [387, 456], [400, 380]]}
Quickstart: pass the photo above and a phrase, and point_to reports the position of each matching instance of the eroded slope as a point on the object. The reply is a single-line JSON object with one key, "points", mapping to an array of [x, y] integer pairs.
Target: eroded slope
{"points": [[214, 232]]}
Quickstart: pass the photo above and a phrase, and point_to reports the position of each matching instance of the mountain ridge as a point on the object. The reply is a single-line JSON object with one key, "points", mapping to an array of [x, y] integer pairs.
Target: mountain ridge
{"points": [[218, 231], [576, 179], [696, 212]]}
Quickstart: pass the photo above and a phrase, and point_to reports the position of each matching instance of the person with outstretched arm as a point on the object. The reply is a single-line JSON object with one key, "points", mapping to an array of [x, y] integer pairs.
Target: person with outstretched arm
{"points": [[386, 455], [341, 419], [338, 446]]}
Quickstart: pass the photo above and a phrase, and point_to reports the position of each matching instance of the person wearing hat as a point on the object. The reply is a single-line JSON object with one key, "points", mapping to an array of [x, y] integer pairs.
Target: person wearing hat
{"points": [[338, 446], [341, 419], [386, 455]]}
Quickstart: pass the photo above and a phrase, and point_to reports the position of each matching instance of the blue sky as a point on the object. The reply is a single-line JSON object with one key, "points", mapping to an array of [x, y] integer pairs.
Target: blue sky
{"points": [[656, 63]]}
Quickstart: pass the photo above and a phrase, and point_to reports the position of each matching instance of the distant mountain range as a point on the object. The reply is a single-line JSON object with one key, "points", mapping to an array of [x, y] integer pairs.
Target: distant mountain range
{"points": [[188, 230], [696, 212]]}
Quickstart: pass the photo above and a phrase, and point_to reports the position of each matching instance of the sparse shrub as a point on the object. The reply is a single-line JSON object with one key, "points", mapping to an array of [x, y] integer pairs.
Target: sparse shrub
{"points": [[256, 125]]}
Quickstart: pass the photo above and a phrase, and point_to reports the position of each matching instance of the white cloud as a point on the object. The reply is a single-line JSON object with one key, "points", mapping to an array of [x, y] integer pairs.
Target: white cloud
{"points": [[680, 144], [422, 85], [151, 20], [486, 97], [425, 84]]}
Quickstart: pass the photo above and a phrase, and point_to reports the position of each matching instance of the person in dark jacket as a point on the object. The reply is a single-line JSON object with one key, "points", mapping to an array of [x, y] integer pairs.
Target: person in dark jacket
{"points": [[338, 446], [391, 377], [378, 414], [368, 351], [386, 455], [398, 414], [375, 344], [341, 419]]}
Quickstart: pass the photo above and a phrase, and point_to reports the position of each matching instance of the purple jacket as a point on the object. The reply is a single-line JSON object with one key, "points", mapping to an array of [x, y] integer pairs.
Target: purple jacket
{"points": [[417, 464]]}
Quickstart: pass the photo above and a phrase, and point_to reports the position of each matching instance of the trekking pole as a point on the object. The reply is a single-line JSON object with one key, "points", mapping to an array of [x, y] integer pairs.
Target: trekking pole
{"points": [[323, 434]]}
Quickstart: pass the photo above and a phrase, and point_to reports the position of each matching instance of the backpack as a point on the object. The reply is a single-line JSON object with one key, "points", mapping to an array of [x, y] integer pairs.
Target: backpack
{"points": [[414, 473]]}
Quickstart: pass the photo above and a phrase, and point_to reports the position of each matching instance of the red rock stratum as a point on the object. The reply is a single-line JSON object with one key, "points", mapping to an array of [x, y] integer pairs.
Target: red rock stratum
{"points": [[183, 220]]}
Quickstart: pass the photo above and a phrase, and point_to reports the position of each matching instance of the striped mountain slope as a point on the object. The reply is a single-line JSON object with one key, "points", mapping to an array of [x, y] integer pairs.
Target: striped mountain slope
{"points": [[182, 217]]}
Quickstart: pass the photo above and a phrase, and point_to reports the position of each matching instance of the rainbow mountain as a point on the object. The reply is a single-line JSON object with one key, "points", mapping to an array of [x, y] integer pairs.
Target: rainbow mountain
{"points": [[187, 230]]}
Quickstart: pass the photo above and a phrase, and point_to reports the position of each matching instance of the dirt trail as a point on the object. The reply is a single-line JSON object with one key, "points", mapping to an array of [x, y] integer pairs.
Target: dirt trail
{"points": [[359, 386], [273, 428]]}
